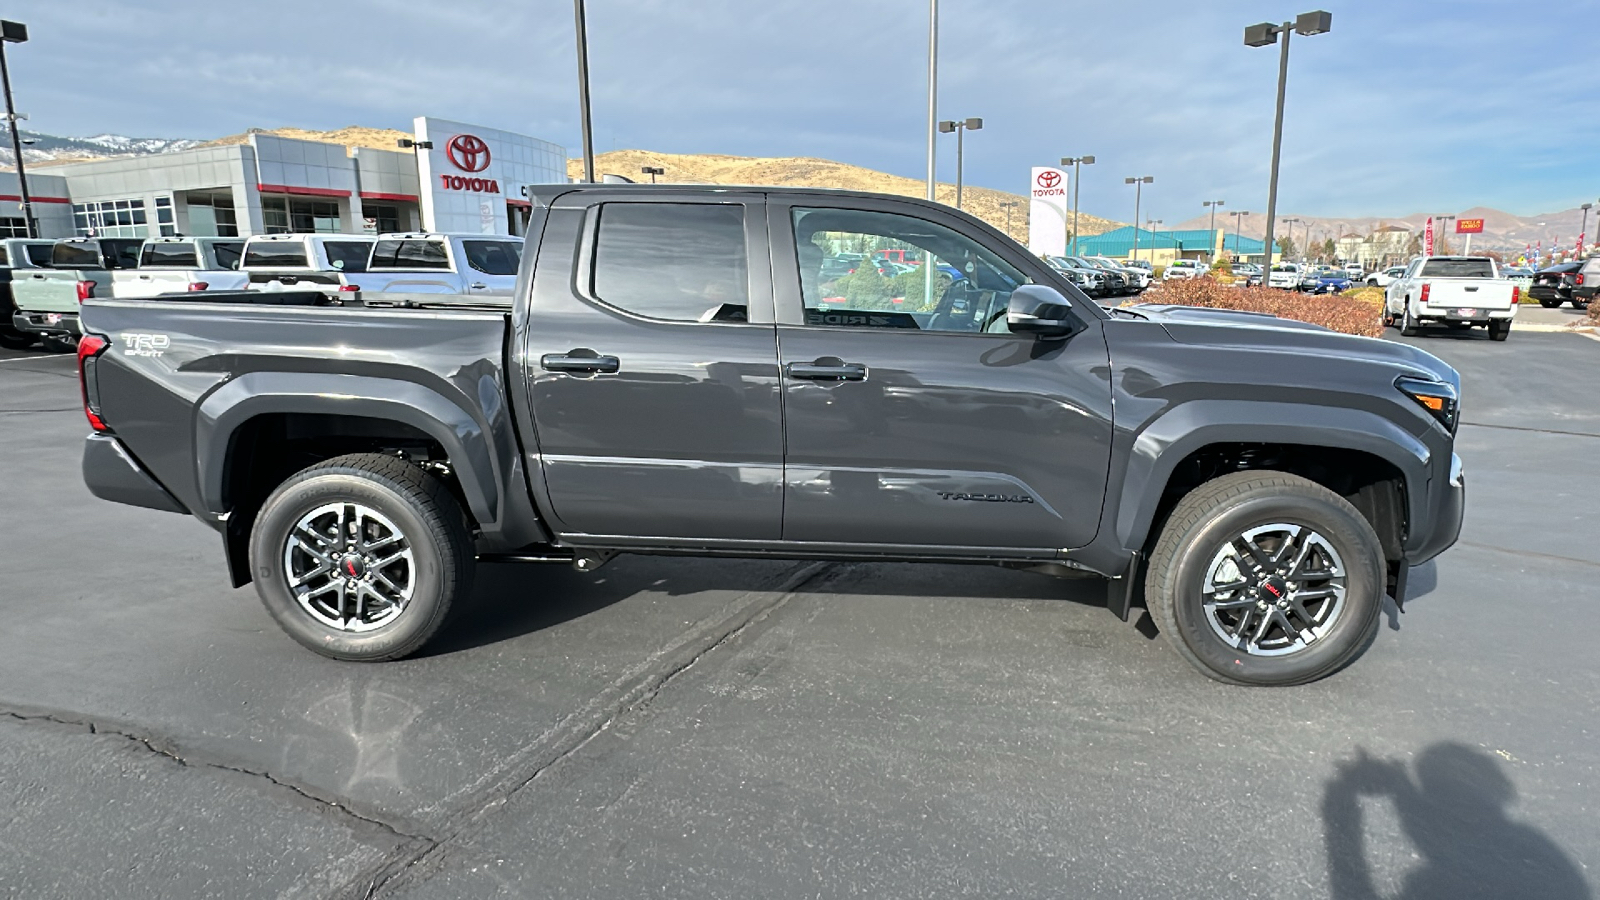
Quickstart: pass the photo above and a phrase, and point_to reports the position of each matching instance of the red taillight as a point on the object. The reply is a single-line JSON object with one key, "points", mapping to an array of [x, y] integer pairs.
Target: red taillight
{"points": [[85, 290], [1425, 288], [349, 287], [1579, 279], [199, 285], [1516, 294], [90, 346]]}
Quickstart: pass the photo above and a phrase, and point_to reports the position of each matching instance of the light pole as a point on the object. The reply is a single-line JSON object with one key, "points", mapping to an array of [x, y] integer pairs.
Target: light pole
{"points": [[933, 104], [1238, 215], [1262, 35], [1291, 223], [960, 128], [1582, 231], [1138, 186], [414, 146], [1440, 231], [1155, 238], [583, 90], [16, 33], [652, 171], [1076, 162], [1008, 205], [1211, 235]]}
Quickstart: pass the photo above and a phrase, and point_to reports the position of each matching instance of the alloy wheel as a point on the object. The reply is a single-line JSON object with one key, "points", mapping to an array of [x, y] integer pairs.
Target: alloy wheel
{"points": [[349, 567], [1274, 590]]}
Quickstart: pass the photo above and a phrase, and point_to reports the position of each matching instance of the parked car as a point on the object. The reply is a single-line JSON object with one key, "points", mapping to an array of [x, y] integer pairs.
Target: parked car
{"points": [[1284, 275], [1353, 271], [1184, 268], [18, 255], [1137, 277], [1118, 280], [1555, 285], [47, 300], [1461, 291], [1327, 280], [278, 262], [1586, 283], [358, 462], [1251, 273], [1386, 277], [425, 263], [1090, 280], [174, 264]]}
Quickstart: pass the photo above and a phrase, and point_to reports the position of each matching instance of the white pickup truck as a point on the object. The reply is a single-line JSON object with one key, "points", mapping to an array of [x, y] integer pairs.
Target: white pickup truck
{"points": [[172, 265], [47, 300], [426, 263], [1284, 275], [297, 262], [1460, 291]]}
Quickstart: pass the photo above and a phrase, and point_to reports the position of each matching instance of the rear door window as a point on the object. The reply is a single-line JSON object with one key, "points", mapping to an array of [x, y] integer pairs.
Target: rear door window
{"points": [[275, 255], [227, 253], [85, 255], [170, 254], [493, 257], [348, 256], [422, 255], [684, 262]]}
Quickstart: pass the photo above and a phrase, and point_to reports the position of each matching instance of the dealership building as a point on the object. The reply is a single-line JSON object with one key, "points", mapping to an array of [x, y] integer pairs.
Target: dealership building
{"points": [[458, 178]]}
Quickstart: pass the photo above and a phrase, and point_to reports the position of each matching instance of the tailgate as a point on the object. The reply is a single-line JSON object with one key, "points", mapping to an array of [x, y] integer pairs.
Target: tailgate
{"points": [[1469, 293], [149, 282], [51, 290]]}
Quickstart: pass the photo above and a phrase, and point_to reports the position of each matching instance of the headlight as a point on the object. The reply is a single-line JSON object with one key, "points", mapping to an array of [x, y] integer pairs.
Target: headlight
{"points": [[1440, 399]]}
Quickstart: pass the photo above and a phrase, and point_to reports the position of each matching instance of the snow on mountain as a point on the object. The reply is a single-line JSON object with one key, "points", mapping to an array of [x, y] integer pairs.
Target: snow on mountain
{"points": [[49, 147]]}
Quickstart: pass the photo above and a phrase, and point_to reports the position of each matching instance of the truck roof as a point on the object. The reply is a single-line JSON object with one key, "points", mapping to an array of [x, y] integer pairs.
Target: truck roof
{"points": [[545, 194], [444, 235]]}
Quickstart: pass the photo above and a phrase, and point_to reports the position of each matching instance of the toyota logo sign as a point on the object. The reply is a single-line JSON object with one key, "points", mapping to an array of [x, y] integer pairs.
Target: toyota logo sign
{"points": [[1048, 179], [468, 152]]}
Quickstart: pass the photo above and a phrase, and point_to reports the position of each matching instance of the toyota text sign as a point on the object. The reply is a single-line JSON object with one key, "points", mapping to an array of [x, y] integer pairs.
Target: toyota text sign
{"points": [[1047, 212]]}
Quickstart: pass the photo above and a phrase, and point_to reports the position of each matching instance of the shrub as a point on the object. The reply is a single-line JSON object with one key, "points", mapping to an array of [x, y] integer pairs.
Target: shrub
{"points": [[1373, 295], [1343, 314], [1594, 313]]}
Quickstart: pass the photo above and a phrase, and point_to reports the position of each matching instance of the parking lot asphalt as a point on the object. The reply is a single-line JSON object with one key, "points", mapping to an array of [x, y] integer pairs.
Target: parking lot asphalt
{"points": [[688, 728]]}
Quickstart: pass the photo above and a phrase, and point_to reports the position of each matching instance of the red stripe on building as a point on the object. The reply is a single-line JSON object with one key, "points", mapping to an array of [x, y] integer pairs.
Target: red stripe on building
{"points": [[399, 198], [302, 191], [17, 198]]}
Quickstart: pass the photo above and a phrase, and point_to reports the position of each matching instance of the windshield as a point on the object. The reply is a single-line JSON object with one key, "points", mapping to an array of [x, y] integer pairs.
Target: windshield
{"points": [[1457, 268]]}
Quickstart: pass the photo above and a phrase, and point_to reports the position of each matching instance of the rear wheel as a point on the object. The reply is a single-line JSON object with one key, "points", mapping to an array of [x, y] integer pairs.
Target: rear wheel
{"points": [[1550, 304], [362, 557], [1265, 578], [1408, 325], [58, 343], [1499, 330], [12, 339]]}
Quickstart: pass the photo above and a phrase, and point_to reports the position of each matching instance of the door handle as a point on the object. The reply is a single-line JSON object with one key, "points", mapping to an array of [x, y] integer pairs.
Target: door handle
{"points": [[827, 369], [477, 286], [581, 361]]}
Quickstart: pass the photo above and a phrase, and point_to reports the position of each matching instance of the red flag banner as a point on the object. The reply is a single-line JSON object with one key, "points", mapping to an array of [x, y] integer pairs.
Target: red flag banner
{"points": [[1427, 238]]}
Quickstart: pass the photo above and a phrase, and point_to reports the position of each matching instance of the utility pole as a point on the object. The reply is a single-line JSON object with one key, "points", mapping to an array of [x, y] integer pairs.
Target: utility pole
{"points": [[1077, 162], [583, 91], [1138, 186], [1211, 233], [16, 33], [933, 97], [1262, 35]]}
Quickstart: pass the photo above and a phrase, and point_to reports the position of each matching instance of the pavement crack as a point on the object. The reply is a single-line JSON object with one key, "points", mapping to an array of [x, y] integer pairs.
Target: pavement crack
{"points": [[626, 697], [1588, 434], [151, 745]]}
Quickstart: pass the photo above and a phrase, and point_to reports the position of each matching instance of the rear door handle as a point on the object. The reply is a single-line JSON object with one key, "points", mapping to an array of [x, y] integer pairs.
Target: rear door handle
{"points": [[478, 286], [581, 361], [827, 369]]}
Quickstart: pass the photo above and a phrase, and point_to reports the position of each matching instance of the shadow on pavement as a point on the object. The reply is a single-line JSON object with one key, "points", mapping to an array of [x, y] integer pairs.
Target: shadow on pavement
{"points": [[1453, 812]]}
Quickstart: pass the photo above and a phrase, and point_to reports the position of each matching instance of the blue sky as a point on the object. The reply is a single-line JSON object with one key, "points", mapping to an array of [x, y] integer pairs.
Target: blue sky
{"points": [[1406, 105]]}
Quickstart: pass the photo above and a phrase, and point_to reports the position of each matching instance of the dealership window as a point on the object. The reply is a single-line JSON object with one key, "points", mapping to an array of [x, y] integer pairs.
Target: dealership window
{"points": [[385, 218], [13, 227], [211, 215], [292, 215], [110, 218], [164, 219]]}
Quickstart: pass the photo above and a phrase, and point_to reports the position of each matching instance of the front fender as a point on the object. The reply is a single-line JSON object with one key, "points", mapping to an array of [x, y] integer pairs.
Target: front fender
{"points": [[1186, 428], [465, 439]]}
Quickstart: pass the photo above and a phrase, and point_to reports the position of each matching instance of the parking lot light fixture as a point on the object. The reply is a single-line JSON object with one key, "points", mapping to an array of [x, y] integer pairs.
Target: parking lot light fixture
{"points": [[1138, 183], [1076, 162], [1238, 216], [1583, 230], [653, 171], [16, 33], [960, 128], [1266, 34], [581, 31], [1212, 232], [1290, 224], [1008, 205]]}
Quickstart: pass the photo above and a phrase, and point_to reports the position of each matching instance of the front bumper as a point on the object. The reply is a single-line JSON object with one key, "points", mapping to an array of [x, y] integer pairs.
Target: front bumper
{"points": [[113, 474], [46, 322], [1448, 506]]}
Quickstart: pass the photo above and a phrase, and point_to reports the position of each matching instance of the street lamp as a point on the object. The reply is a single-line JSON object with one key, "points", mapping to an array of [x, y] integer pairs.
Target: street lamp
{"points": [[1291, 223], [653, 171], [1138, 186], [1076, 162], [1008, 205], [16, 33], [1211, 236], [1439, 229], [1584, 231], [582, 32], [960, 128], [1317, 22], [1238, 214]]}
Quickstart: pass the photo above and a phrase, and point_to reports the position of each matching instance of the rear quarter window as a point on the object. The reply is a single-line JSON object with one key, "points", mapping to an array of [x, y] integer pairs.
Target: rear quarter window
{"points": [[227, 253], [75, 256], [348, 256], [275, 254], [493, 257], [39, 254]]}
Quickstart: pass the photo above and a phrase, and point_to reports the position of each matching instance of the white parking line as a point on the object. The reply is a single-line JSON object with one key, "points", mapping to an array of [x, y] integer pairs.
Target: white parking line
{"points": [[39, 358]]}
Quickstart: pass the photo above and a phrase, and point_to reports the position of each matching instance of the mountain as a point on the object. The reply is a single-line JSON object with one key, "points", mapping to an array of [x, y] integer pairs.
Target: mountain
{"points": [[806, 171], [50, 148], [1501, 230]]}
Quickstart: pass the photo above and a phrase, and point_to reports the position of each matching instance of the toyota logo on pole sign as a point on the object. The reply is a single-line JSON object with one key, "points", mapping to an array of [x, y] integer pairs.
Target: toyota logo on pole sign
{"points": [[1048, 179], [469, 153]]}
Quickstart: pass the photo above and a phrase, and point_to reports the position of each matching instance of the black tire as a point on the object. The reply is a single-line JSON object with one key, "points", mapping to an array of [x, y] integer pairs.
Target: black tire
{"points": [[1408, 325], [1202, 525], [1550, 304], [420, 507], [1499, 331], [15, 340], [59, 343]]}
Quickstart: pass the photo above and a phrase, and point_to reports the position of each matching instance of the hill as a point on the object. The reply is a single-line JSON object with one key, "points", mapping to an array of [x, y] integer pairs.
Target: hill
{"points": [[1501, 230], [806, 171], [349, 136], [49, 149]]}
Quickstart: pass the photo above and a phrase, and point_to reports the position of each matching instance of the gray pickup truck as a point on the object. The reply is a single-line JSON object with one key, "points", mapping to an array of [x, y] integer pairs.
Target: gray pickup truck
{"points": [[676, 374]]}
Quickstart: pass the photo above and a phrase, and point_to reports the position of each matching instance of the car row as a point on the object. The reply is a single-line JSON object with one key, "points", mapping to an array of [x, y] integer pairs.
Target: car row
{"points": [[45, 282], [1102, 277], [1572, 282]]}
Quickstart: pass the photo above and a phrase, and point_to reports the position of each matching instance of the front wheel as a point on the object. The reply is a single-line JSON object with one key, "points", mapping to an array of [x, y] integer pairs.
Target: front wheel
{"points": [[362, 557], [1266, 578]]}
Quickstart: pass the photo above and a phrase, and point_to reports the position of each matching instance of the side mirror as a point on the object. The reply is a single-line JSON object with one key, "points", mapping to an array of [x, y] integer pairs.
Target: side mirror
{"points": [[1042, 312]]}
